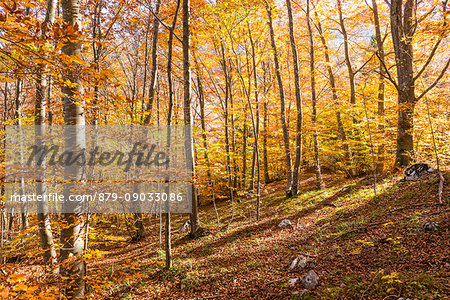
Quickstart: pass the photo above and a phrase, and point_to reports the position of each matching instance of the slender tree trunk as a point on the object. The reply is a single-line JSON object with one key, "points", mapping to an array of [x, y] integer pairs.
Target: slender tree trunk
{"points": [[256, 129], [154, 70], [265, 126], [201, 97], [298, 100], [380, 54], [314, 102], [348, 63], [167, 234], [71, 234], [341, 131], [18, 122], [188, 121], [45, 231], [227, 129], [287, 150]]}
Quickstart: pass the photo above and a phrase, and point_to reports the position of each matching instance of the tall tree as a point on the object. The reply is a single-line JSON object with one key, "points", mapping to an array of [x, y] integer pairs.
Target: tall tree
{"points": [[298, 100], [72, 264], [287, 148], [319, 181], [404, 23], [45, 232], [188, 121], [348, 62], [380, 54]]}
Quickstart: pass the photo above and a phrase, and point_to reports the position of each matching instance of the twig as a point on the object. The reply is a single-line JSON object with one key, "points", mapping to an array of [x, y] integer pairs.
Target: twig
{"points": [[441, 186], [210, 297], [370, 285], [276, 280]]}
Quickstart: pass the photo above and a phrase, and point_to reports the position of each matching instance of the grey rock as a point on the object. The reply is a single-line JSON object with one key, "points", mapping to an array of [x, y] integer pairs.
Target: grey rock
{"points": [[301, 261], [185, 227], [342, 285], [431, 226], [292, 282], [285, 223], [310, 280], [417, 171]]}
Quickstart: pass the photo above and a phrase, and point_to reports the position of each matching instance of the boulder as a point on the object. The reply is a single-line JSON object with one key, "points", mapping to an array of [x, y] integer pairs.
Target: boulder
{"points": [[310, 280], [185, 227], [285, 223], [417, 171], [431, 226]]}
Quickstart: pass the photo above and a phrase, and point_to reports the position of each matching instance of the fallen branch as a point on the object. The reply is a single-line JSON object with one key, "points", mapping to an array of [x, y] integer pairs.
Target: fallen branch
{"points": [[210, 297], [276, 280], [441, 186]]}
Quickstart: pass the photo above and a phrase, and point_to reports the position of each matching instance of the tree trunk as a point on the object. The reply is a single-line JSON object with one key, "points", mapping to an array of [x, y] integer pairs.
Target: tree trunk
{"points": [[341, 131], [201, 97], [298, 100], [154, 70], [256, 130], [348, 63], [380, 54], [187, 110], [402, 32], [167, 234], [45, 231], [71, 234], [227, 123], [319, 180], [287, 150]]}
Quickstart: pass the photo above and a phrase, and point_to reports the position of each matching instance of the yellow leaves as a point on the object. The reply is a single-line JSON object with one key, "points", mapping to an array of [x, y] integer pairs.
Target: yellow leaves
{"points": [[6, 79], [391, 278], [13, 278], [356, 251], [366, 243], [94, 254], [70, 84]]}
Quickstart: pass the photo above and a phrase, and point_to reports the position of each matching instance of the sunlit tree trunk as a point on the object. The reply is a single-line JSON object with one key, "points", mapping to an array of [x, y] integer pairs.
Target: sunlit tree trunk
{"points": [[319, 180], [298, 100], [72, 264], [341, 131], [256, 130], [188, 121], [348, 62], [287, 148], [402, 32], [45, 231], [380, 54]]}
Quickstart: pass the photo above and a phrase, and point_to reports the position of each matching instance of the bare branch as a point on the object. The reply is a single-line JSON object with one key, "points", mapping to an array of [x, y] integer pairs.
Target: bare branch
{"points": [[436, 81]]}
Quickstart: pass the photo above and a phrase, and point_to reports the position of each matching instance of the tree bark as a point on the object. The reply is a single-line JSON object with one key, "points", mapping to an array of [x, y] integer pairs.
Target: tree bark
{"points": [[402, 32], [187, 111], [298, 100], [319, 181], [287, 150], [71, 234], [380, 54], [45, 231], [256, 130], [154, 70], [341, 130], [348, 63]]}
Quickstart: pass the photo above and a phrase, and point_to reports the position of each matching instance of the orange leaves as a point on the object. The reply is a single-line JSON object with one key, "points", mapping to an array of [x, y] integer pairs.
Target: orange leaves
{"points": [[16, 278]]}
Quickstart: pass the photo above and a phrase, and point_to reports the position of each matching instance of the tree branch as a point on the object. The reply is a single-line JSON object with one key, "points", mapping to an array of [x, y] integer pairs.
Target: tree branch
{"points": [[435, 82]]}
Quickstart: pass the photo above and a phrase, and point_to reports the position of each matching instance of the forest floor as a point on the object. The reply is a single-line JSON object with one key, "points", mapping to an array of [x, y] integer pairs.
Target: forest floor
{"points": [[366, 246]]}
